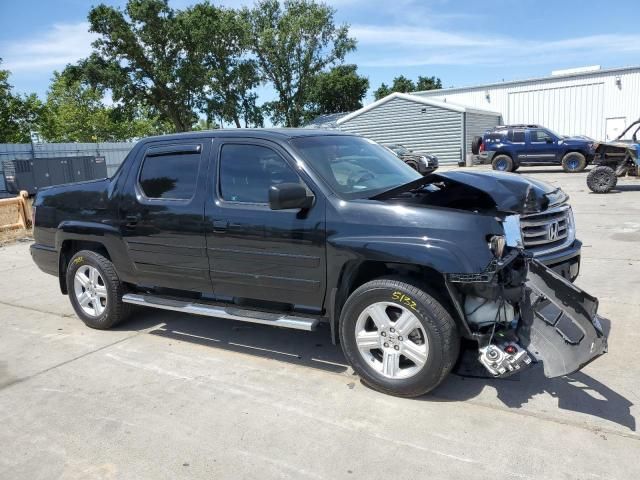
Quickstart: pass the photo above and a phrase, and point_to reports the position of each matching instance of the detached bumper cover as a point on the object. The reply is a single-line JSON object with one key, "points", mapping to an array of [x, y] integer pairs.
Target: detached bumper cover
{"points": [[560, 325]]}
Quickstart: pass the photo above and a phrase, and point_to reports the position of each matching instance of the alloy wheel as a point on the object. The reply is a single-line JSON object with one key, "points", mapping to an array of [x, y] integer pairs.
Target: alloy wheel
{"points": [[90, 290], [392, 340]]}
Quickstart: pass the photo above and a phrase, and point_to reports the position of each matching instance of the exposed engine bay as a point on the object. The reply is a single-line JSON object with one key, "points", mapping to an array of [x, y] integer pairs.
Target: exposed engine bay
{"points": [[521, 312]]}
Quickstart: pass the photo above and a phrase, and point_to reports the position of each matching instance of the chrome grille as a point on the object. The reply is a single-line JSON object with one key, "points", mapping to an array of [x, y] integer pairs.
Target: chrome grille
{"points": [[547, 231]]}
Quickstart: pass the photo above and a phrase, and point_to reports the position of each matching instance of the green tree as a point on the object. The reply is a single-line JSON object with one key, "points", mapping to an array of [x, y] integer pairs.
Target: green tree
{"points": [[220, 43], [141, 54], [428, 83], [19, 115], [340, 89], [403, 84], [292, 43], [75, 112], [382, 91]]}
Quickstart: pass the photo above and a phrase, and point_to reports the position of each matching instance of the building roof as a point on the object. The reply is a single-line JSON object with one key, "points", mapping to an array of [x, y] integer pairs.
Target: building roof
{"points": [[591, 73], [326, 121], [416, 99]]}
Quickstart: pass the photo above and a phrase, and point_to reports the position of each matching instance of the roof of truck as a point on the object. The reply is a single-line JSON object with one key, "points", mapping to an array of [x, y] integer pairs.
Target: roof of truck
{"points": [[264, 133]]}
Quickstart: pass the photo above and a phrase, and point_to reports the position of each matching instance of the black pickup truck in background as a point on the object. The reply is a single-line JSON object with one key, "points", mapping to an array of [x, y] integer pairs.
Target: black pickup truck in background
{"points": [[293, 228]]}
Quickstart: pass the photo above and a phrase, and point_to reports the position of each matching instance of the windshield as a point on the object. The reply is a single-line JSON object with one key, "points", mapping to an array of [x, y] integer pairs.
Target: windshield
{"points": [[354, 167]]}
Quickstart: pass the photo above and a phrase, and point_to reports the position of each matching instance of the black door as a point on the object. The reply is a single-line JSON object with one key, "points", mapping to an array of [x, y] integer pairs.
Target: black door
{"points": [[162, 220], [255, 252]]}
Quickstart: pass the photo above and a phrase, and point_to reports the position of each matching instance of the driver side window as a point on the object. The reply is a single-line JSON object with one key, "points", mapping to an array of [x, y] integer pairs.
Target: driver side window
{"points": [[540, 136], [248, 171]]}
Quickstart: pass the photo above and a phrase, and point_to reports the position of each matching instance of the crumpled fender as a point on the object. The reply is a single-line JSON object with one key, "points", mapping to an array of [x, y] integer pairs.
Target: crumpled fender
{"points": [[560, 325]]}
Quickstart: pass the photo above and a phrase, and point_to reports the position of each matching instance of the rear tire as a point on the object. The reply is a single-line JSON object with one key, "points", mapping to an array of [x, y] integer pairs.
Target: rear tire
{"points": [[411, 345], [602, 179], [475, 145], [502, 163], [95, 290], [574, 162]]}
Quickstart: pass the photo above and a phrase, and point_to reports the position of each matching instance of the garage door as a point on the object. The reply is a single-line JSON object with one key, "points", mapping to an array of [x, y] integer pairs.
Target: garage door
{"points": [[572, 110]]}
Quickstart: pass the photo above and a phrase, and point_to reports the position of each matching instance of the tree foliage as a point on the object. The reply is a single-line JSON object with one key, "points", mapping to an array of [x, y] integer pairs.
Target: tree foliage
{"points": [[75, 112], [19, 114], [221, 43], [143, 56], [403, 84], [292, 43], [340, 89], [428, 83], [168, 69]]}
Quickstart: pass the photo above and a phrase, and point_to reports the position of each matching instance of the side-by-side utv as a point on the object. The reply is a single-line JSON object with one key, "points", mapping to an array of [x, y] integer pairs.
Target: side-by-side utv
{"points": [[615, 159]]}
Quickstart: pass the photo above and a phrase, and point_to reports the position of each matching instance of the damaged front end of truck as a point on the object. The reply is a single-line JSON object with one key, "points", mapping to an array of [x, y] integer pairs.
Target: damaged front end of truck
{"points": [[519, 310]]}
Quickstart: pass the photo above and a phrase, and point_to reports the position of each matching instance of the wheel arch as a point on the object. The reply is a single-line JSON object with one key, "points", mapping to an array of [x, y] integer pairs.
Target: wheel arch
{"points": [[506, 153], [68, 248], [72, 237], [357, 273]]}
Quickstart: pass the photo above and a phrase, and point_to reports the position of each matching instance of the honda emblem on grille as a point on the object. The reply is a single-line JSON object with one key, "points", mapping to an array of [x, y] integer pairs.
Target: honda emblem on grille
{"points": [[554, 230]]}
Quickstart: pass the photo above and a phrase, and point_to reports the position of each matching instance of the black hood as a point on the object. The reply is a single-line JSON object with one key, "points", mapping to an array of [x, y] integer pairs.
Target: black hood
{"points": [[512, 193], [506, 192]]}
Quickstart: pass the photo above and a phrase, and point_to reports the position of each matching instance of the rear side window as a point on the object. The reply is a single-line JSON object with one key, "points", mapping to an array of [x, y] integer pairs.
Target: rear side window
{"points": [[516, 136], [170, 177], [248, 171], [495, 136]]}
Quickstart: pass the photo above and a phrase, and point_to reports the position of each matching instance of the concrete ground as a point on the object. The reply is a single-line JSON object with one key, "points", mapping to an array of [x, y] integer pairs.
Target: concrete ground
{"points": [[172, 396]]}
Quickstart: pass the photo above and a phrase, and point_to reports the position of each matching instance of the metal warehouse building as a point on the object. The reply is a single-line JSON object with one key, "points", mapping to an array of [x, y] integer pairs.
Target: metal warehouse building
{"points": [[584, 101], [420, 123]]}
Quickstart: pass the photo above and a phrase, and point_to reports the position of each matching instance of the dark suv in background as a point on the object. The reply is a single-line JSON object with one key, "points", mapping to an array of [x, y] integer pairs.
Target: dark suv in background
{"points": [[420, 161], [507, 147]]}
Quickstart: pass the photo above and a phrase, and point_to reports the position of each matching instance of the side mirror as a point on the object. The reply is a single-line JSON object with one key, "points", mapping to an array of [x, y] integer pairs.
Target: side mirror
{"points": [[550, 140], [289, 195]]}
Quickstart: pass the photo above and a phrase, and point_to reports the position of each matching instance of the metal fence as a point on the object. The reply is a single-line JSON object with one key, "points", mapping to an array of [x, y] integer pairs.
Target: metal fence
{"points": [[114, 153]]}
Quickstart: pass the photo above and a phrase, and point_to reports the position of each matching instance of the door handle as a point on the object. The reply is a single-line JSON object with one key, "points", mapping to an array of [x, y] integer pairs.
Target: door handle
{"points": [[131, 220], [220, 226]]}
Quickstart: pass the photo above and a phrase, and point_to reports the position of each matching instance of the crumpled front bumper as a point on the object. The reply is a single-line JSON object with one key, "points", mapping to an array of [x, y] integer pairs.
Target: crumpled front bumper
{"points": [[559, 323]]}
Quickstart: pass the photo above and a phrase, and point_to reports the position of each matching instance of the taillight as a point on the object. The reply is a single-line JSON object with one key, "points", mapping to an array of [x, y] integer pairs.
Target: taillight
{"points": [[33, 216], [482, 147]]}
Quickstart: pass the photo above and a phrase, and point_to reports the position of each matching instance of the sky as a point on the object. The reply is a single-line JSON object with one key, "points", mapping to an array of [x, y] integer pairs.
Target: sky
{"points": [[463, 42]]}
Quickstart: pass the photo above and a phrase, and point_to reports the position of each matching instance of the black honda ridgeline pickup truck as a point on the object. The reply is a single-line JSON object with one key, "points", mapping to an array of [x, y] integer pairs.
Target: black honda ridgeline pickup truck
{"points": [[291, 228]]}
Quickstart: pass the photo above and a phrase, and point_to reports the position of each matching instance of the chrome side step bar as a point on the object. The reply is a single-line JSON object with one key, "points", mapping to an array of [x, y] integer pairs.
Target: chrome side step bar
{"points": [[229, 312]]}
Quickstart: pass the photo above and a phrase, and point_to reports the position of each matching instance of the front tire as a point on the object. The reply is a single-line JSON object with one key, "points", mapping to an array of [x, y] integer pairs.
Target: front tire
{"points": [[602, 179], [95, 290], [398, 338], [574, 162]]}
